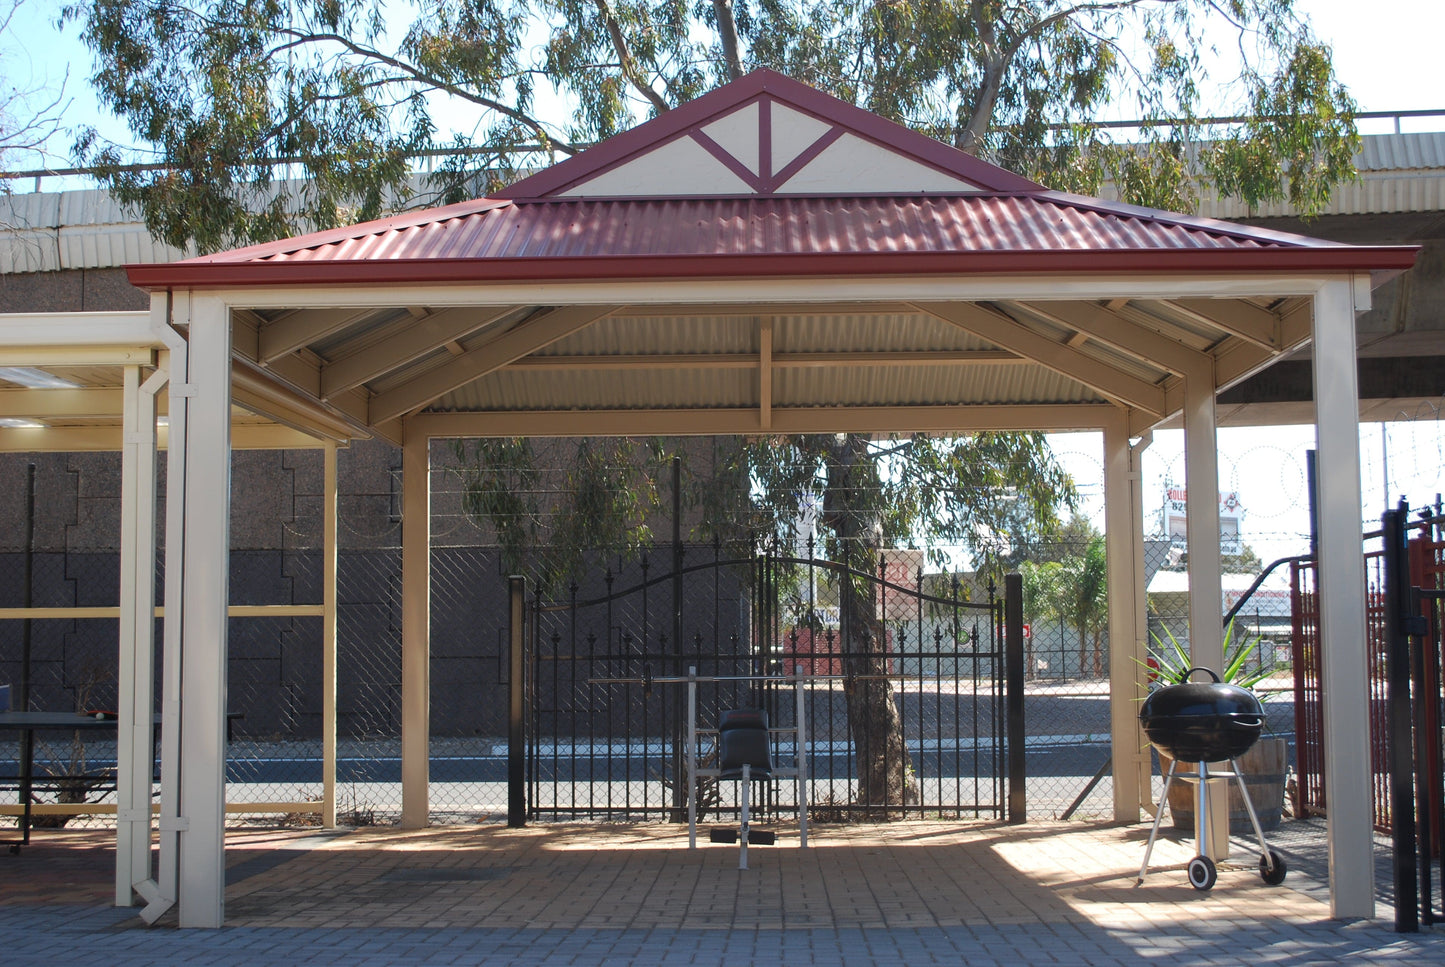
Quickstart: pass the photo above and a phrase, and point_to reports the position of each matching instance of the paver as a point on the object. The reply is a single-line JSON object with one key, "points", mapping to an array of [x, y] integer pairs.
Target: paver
{"points": [[590, 895]]}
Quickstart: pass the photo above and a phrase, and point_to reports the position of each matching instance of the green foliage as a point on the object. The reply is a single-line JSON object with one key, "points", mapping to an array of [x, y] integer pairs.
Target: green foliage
{"points": [[216, 91], [1172, 661], [990, 492], [544, 525]]}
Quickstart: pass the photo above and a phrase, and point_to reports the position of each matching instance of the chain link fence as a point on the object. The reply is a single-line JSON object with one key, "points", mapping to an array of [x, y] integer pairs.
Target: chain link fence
{"points": [[274, 669]]}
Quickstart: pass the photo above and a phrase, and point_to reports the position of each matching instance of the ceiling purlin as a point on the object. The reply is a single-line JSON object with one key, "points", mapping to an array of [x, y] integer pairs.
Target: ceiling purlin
{"points": [[528, 337], [1233, 316], [994, 325], [412, 340], [296, 330], [1135, 340]]}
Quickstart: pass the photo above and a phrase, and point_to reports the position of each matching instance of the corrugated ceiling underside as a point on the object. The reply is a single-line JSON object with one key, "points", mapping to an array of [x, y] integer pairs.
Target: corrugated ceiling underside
{"points": [[729, 388]]}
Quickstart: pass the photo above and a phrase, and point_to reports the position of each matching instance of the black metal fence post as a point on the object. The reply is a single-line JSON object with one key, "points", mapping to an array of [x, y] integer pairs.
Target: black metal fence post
{"points": [[516, 704], [1401, 746], [1013, 597]]}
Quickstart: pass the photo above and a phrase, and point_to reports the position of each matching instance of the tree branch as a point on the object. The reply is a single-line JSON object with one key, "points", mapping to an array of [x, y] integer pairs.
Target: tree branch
{"points": [[418, 75], [624, 55], [727, 29]]}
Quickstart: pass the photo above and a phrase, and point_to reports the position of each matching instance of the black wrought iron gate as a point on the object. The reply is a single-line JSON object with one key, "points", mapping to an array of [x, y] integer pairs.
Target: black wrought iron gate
{"points": [[605, 740]]}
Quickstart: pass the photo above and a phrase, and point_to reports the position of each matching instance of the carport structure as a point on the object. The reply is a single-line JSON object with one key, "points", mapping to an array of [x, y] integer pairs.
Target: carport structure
{"points": [[764, 260]]}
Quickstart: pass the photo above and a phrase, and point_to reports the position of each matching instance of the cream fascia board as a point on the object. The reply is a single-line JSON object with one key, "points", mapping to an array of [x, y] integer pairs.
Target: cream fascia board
{"points": [[414, 340], [128, 329], [531, 335], [1064, 360], [709, 422], [825, 290]]}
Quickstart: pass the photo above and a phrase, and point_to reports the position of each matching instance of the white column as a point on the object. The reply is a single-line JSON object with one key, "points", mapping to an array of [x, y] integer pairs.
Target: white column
{"points": [[1341, 577], [160, 894], [415, 629], [202, 879], [328, 640], [136, 672], [1124, 542], [1206, 588]]}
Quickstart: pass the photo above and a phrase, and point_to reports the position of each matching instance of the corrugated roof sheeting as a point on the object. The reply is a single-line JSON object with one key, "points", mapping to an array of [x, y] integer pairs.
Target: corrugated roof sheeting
{"points": [[625, 335], [925, 386], [870, 333], [604, 389], [762, 226]]}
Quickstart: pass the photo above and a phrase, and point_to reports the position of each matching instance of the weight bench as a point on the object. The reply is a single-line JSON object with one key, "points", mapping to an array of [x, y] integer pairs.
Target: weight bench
{"points": [[744, 754]]}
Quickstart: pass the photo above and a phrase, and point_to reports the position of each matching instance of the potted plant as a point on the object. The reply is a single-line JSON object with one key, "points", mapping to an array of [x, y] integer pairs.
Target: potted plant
{"points": [[1263, 766]]}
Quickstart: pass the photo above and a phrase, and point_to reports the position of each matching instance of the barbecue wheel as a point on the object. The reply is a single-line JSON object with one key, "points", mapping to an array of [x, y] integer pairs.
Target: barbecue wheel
{"points": [[1202, 873], [1274, 876]]}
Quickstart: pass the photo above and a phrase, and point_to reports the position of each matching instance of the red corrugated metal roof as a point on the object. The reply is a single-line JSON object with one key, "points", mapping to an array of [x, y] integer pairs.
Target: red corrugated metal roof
{"points": [[730, 237], [1011, 226]]}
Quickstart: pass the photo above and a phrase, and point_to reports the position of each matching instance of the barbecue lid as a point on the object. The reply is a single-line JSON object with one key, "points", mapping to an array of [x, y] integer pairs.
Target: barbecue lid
{"points": [[1214, 699]]}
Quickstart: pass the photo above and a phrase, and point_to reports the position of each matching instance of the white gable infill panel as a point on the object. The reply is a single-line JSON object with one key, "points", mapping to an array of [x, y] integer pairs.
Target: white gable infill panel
{"points": [[853, 166], [682, 167], [739, 134]]}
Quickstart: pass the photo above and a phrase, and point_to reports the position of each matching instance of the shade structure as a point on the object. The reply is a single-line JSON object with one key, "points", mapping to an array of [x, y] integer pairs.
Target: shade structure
{"points": [[766, 259]]}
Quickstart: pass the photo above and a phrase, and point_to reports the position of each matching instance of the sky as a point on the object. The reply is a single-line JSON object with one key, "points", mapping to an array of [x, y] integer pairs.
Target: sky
{"points": [[1387, 54]]}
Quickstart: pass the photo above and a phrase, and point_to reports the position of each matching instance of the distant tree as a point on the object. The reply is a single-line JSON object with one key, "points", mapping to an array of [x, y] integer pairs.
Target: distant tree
{"points": [[30, 109], [219, 91]]}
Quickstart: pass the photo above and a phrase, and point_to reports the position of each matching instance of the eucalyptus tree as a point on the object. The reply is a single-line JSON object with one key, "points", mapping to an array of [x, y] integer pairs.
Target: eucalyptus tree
{"points": [[262, 118], [266, 117]]}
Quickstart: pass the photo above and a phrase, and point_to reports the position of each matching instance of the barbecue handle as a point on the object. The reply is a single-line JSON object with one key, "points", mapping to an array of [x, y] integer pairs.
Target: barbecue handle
{"points": [[1200, 668]]}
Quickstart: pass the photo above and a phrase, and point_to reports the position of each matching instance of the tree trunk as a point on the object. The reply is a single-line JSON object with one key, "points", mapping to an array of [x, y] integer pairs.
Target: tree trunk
{"points": [[885, 772]]}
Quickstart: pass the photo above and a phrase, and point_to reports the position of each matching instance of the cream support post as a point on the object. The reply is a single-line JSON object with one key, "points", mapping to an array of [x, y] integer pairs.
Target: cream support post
{"points": [[136, 672], [1341, 583], [1124, 538], [415, 629], [207, 500], [328, 640], [1206, 587]]}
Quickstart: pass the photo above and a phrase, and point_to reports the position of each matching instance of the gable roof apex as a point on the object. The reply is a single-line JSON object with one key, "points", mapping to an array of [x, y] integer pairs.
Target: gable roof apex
{"points": [[937, 168]]}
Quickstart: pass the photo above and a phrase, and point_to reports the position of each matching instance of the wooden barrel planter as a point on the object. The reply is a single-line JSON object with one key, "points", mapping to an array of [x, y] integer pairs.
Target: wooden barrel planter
{"points": [[1263, 768]]}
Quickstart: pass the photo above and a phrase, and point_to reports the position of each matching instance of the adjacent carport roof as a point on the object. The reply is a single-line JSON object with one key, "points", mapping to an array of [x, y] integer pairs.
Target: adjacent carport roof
{"points": [[767, 259]]}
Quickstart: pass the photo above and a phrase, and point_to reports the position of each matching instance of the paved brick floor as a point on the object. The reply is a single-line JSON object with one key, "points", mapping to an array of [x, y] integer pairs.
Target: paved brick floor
{"points": [[908, 892]]}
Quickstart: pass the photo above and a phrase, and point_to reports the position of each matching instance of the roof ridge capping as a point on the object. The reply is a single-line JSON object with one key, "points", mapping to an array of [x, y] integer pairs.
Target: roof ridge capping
{"points": [[720, 102]]}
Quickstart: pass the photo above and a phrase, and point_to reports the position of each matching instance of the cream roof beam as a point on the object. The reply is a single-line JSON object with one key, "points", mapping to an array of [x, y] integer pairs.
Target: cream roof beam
{"points": [[43, 404], [414, 340], [79, 439], [967, 357], [77, 329], [1003, 331], [768, 309], [807, 419], [528, 337], [1127, 337], [283, 336], [69, 355]]}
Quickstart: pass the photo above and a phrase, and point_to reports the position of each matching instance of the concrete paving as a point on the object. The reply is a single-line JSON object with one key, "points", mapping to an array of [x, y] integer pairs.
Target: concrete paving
{"points": [[916, 892]]}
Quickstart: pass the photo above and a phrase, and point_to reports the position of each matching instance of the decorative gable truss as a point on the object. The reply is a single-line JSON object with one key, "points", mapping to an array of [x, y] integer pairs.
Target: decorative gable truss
{"points": [[767, 135]]}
